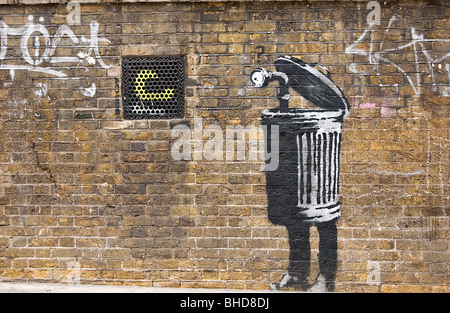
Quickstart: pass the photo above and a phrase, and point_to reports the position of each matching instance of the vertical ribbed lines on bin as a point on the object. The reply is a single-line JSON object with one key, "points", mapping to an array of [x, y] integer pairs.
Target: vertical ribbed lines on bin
{"points": [[318, 168]]}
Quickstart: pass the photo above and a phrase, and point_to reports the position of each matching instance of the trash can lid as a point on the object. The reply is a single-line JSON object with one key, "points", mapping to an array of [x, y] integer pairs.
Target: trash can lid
{"points": [[304, 119], [312, 84]]}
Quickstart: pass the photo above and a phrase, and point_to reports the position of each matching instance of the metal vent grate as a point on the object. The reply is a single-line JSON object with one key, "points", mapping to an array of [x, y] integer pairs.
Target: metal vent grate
{"points": [[153, 87]]}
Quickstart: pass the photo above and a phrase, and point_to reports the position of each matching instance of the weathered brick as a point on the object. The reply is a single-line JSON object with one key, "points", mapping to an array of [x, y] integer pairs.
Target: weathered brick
{"points": [[80, 181]]}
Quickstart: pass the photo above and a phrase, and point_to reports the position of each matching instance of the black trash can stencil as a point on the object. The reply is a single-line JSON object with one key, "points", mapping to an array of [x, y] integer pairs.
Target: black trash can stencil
{"points": [[304, 189]]}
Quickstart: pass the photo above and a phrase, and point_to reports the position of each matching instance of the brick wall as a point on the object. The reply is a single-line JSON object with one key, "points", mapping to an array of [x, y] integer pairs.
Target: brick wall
{"points": [[89, 197]]}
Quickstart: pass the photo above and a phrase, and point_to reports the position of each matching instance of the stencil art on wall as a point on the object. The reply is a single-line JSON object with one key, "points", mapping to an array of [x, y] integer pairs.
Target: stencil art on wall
{"points": [[304, 190]]}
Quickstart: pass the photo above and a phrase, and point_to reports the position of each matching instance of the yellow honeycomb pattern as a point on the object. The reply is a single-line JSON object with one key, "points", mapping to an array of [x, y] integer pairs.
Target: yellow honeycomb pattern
{"points": [[139, 87]]}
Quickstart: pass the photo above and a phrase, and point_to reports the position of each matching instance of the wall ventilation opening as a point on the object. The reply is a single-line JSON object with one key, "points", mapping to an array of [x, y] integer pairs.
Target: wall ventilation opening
{"points": [[153, 87]]}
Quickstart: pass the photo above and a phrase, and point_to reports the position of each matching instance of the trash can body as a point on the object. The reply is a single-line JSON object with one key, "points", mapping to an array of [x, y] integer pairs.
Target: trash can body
{"points": [[305, 186]]}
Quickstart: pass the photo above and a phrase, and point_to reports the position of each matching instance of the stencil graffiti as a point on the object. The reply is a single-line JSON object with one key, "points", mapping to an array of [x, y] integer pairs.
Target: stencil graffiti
{"points": [[304, 189], [425, 62], [38, 49]]}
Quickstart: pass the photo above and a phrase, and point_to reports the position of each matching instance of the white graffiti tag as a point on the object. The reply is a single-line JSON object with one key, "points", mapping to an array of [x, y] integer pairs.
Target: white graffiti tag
{"points": [[38, 48], [383, 55]]}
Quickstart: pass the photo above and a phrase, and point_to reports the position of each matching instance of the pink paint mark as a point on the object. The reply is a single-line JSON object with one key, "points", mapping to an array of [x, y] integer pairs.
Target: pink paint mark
{"points": [[386, 111], [368, 105]]}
